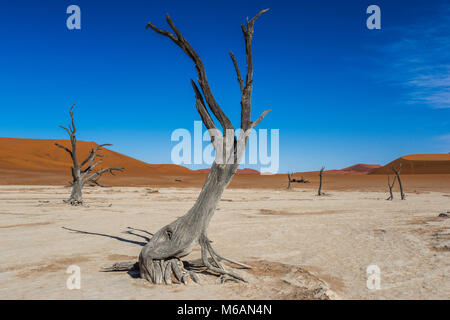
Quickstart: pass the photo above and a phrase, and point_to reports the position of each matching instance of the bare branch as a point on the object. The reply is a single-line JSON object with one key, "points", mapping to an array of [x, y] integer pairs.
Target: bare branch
{"points": [[62, 147], [92, 154], [202, 80], [101, 172], [200, 105], [247, 92], [162, 32], [238, 72], [255, 123], [91, 167], [72, 127], [68, 131], [97, 183], [252, 21]]}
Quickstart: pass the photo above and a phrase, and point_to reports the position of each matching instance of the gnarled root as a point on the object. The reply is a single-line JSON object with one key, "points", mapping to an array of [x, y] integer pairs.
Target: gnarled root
{"points": [[167, 271], [218, 268], [171, 270]]}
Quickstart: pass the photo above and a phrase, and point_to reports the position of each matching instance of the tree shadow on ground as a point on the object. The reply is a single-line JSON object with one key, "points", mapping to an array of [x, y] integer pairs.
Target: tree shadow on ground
{"points": [[140, 243]]}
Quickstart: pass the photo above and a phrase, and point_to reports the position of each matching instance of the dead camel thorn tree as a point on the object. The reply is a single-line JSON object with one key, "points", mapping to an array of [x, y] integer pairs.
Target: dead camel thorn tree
{"points": [[81, 176], [391, 186], [319, 192], [397, 175], [290, 180], [159, 260]]}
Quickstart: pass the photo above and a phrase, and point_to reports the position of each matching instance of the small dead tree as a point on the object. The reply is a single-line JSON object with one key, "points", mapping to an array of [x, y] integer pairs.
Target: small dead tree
{"points": [[319, 192], [397, 175], [391, 186], [289, 180], [160, 258], [82, 176], [302, 180]]}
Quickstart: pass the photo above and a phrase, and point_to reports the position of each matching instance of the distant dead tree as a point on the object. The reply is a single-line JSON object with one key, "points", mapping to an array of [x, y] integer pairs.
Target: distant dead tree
{"points": [[290, 180], [160, 258], [81, 176], [391, 186], [319, 192], [397, 174]]}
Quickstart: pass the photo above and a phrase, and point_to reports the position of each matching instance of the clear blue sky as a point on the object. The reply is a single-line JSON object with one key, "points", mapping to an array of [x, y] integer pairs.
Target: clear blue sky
{"points": [[341, 94]]}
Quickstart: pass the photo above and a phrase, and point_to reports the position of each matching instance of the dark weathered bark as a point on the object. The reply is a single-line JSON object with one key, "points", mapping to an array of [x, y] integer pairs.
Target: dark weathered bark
{"points": [[319, 192], [397, 174], [82, 173], [302, 180], [391, 186], [159, 259]]}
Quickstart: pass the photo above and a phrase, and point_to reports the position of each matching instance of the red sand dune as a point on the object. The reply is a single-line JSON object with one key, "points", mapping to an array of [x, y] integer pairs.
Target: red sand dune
{"points": [[22, 160], [418, 164], [359, 168]]}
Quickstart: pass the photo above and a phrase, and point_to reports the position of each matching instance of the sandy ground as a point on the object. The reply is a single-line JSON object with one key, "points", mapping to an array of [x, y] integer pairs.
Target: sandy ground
{"points": [[301, 245]]}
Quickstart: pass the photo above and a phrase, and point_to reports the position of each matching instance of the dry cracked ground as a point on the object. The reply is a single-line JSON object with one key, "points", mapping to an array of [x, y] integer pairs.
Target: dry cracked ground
{"points": [[301, 246]]}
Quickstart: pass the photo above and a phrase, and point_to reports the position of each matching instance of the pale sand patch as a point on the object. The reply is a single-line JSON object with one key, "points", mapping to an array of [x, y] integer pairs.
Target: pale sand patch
{"points": [[302, 246]]}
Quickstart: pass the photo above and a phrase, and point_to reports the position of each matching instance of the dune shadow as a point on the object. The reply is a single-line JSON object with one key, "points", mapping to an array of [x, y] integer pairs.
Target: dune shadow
{"points": [[140, 243]]}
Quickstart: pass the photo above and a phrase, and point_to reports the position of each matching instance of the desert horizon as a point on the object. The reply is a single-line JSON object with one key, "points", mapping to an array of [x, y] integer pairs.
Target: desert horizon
{"points": [[39, 162]]}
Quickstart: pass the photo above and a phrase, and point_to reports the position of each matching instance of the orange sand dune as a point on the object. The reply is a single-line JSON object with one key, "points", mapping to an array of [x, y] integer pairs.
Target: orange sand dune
{"points": [[39, 161], [359, 168], [419, 164]]}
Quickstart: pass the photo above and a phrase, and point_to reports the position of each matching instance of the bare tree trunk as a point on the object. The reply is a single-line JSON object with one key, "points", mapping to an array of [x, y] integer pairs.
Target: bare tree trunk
{"points": [[76, 196], [319, 192], [397, 174], [391, 186], [159, 259], [80, 176], [289, 178]]}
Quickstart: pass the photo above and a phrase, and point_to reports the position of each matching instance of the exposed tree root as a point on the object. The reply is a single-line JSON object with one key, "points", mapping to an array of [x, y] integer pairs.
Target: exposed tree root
{"points": [[172, 270], [219, 268], [166, 271]]}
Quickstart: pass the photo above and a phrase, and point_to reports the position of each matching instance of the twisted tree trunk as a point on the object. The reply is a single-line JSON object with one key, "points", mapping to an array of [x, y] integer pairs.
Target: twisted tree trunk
{"points": [[80, 176], [159, 259]]}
